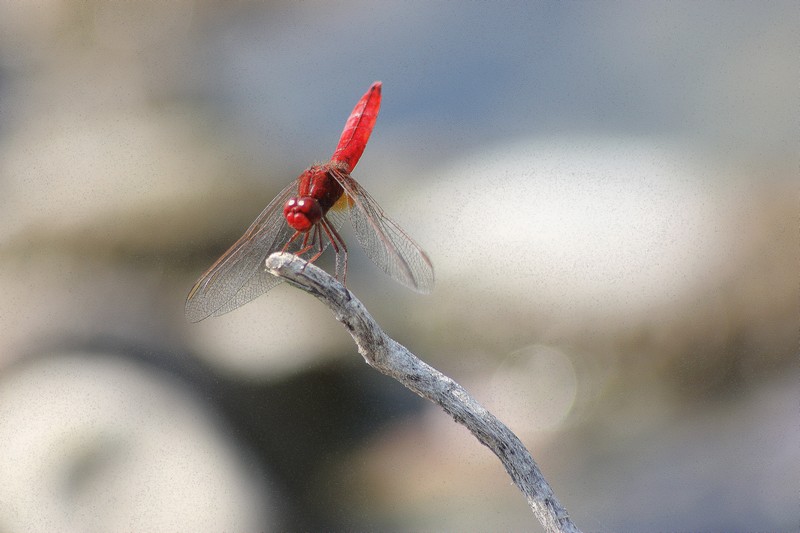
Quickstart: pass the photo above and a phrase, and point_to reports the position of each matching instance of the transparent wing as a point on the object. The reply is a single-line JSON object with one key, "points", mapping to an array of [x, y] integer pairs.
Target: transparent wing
{"points": [[240, 275], [384, 242]]}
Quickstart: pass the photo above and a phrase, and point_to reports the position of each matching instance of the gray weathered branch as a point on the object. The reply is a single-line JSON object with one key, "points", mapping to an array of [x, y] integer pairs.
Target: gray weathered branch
{"points": [[393, 359]]}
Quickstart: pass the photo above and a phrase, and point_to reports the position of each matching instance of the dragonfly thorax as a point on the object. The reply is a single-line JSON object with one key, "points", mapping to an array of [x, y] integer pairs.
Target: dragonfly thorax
{"points": [[302, 213]]}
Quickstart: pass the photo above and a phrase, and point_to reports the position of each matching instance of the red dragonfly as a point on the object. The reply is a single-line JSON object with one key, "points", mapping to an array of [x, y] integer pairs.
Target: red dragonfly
{"points": [[303, 219]]}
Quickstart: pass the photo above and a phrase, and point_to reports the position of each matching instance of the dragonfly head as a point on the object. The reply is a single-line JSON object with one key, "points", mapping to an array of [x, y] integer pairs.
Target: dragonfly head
{"points": [[302, 213]]}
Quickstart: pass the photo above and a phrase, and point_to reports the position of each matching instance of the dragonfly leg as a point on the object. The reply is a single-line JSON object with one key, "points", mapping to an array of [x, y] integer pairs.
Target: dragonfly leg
{"points": [[313, 238], [339, 247], [291, 240], [309, 241], [316, 240]]}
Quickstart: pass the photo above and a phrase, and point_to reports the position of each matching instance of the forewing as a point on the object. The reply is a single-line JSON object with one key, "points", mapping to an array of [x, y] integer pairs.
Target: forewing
{"points": [[384, 242], [240, 274]]}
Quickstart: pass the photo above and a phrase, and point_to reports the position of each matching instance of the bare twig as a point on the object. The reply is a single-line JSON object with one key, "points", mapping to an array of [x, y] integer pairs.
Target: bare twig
{"points": [[391, 358]]}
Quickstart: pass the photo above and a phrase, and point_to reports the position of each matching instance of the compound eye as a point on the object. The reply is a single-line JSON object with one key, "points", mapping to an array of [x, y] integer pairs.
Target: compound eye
{"points": [[302, 213]]}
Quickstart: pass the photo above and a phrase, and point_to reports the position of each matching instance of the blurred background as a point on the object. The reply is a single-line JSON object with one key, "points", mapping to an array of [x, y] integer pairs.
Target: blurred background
{"points": [[609, 196]]}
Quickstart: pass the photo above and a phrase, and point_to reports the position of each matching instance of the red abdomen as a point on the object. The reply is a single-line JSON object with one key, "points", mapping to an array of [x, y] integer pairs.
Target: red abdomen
{"points": [[358, 128]]}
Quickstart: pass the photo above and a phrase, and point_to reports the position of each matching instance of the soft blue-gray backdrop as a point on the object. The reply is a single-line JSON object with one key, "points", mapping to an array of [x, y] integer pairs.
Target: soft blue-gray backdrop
{"points": [[608, 193]]}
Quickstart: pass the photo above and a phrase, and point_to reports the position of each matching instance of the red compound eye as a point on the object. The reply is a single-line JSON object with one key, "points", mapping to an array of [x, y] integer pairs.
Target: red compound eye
{"points": [[302, 213]]}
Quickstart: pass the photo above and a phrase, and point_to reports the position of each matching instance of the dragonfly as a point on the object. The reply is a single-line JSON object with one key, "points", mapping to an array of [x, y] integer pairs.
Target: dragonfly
{"points": [[304, 218]]}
